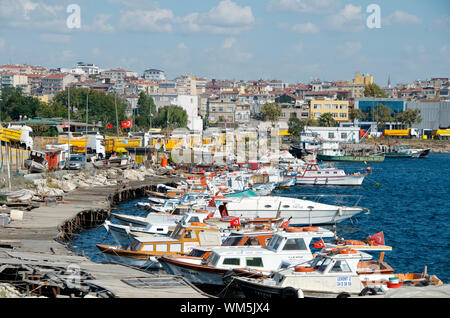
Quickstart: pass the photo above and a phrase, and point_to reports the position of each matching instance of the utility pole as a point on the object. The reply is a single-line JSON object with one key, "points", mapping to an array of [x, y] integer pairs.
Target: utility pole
{"points": [[117, 116], [68, 115], [87, 121]]}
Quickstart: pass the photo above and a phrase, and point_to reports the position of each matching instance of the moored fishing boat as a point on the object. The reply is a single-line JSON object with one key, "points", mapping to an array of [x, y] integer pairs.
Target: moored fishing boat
{"points": [[314, 174], [144, 250], [284, 247], [301, 212]]}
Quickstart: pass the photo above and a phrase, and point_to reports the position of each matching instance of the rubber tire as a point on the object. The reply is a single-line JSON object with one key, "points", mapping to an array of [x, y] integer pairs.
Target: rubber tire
{"points": [[289, 293], [343, 295], [367, 290]]}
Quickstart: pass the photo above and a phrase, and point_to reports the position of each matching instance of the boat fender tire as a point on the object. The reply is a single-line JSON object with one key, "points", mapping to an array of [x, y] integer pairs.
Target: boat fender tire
{"points": [[343, 295], [289, 293], [425, 283], [408, 283], [367, 290]]}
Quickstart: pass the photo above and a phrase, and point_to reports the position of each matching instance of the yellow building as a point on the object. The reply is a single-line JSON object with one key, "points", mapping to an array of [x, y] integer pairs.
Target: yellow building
{"points": [[337, 108], [364, 79]]}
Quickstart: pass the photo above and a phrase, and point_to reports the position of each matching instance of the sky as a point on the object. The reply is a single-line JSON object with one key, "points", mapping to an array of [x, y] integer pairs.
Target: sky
{"points": [[289, 40]]}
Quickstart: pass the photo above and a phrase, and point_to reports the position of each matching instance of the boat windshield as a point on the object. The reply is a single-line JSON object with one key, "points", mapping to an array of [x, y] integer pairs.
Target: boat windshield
{"points": [[321, 264], [177, 233], [232, 240]]}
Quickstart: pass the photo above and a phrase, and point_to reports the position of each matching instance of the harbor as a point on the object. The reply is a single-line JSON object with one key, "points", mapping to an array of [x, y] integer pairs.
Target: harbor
{"points": [[63, 231]]}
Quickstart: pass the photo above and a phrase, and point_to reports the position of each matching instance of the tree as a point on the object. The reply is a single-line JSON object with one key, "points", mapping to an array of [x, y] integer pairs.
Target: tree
{"points": [[356, 113], [271, 112], [296, 126], [102, 106], [373, 90], [171, 117], [326, 120], [381, 114], [409, 117], [146, 108], [16, 104]]}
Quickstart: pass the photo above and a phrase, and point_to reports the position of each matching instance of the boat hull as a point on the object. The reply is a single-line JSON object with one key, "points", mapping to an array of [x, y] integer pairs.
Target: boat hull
{"points": [[349, 180], [350, 158]]}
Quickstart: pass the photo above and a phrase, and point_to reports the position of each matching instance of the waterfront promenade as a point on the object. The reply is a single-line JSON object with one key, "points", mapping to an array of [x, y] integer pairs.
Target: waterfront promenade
{"points": [[37, 242]]}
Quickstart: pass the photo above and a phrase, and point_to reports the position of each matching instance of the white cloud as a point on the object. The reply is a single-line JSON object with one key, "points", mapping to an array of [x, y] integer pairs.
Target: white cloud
{"points": [[305, 28], [55, 38], [401, 17], [298, 47], [157, 20], [101, 24], [349, 19], [228, 43], [226, 18], [303, 6], [443, 22], [181, 46], [349, 49], [29, 14]]}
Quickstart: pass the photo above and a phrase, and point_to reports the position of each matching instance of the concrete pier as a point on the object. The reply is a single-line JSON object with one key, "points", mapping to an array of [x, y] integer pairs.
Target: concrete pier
{"points": [[37, 244]]}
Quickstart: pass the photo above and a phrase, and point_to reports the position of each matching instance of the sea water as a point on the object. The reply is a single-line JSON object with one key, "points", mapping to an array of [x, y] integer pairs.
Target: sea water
{"points": [[408, 200]]}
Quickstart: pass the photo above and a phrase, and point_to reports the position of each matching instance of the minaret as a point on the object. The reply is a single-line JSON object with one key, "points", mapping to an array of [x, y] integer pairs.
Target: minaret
{"points": [[389, 81]]}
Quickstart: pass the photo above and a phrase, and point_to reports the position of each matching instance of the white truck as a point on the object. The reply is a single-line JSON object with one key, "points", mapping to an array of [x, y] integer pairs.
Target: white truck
{"points": [[96, 147], [26, 137]]}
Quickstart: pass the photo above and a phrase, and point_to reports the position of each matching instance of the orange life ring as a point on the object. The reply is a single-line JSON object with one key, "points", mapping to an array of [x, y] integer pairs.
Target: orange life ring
{"points": [[294, 229], [347, 251], [198, 224], [304, 269], [206, 255], [351, 242], [310, 229]]}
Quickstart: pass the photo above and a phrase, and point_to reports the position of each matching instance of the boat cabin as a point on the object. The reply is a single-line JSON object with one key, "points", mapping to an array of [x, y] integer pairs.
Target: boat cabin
{"points": [[182, 239], [283, 247]]}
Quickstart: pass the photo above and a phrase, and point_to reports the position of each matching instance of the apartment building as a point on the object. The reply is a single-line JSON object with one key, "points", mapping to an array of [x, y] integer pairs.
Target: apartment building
{"points": [[339, 109]]}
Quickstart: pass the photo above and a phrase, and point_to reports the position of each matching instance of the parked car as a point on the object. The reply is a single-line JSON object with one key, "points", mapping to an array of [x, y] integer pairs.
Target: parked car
{"points": [[75, 162]]}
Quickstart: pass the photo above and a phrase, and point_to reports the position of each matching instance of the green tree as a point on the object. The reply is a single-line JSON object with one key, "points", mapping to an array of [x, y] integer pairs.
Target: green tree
{"points": [[356, 113], [296, 126], [373, 90], [271, 112], [102, 106], [409, 117], [326, 120], [15, 104], [171, 117], [145, 105], [381, 114]]}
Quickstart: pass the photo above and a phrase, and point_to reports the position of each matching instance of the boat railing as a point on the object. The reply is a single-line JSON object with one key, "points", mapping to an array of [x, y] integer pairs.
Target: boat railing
{"points": [[339, 199]]}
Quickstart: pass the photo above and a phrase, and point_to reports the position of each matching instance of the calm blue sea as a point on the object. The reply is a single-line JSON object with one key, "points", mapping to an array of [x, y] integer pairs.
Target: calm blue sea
{"points": [[409, 200]]}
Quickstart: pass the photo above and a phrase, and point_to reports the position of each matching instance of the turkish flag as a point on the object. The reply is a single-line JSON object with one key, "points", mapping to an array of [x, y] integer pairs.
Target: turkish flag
{"points": [[127, 123], [109, 126], [377, 239], [319, 244], [235, 222]]}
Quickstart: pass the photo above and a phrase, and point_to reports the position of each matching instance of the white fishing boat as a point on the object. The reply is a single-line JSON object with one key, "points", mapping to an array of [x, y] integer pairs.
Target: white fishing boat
{"points": [[315, 174], [339, 273], [289, 247], [160, 225], [301, 212]]}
